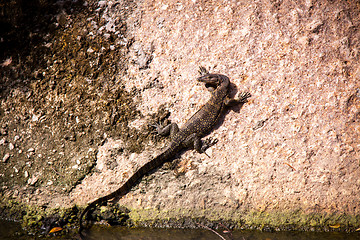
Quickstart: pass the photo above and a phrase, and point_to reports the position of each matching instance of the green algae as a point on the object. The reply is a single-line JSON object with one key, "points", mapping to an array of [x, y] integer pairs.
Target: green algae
{"points": [[37, 220], [34, 218], [285, 220]]}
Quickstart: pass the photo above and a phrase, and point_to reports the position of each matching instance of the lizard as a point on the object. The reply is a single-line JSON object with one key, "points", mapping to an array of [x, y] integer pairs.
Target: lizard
{"points": [[199, 125]]}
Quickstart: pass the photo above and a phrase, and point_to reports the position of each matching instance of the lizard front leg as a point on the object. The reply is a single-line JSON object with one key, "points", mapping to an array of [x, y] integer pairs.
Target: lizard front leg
{"points": [[242, 98]]}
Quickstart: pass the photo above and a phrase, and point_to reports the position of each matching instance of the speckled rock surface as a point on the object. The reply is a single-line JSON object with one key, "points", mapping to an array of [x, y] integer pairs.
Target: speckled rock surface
{"points": [[295, 145], [290, 156]]}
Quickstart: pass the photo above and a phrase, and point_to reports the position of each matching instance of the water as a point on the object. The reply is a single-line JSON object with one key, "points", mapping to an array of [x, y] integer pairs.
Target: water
{"points": [[12, 231], [201, 234]]}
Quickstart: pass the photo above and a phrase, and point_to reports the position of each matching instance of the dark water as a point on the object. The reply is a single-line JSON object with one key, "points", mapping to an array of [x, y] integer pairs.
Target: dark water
{"points": [[200, 234], [12, 231]]}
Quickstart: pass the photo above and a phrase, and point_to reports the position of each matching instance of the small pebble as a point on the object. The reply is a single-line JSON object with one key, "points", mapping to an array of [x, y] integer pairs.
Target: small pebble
{"points": [[11, 146], [6, 157], [31, 181], [3, 131]]}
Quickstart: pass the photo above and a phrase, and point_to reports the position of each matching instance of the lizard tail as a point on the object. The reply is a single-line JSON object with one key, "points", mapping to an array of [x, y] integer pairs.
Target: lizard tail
{"points": [[126, 187]]}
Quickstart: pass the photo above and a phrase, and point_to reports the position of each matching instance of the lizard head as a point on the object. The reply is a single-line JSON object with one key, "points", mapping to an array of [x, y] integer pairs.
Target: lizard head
{"points": [[213, 80]]}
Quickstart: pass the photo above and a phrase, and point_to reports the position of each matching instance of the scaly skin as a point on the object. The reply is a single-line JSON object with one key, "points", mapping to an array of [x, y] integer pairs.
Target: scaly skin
{"points": [[200, 124]]}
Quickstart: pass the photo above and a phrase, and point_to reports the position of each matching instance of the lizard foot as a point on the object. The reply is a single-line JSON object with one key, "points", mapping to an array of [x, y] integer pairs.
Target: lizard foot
{"points": [[243, 97], [207, 143], [157, 126], [162, 130], [203, 71]]}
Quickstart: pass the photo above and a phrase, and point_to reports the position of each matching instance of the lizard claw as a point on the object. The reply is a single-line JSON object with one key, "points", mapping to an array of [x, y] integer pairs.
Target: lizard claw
{"points": [[203, 71], [243, 96]]}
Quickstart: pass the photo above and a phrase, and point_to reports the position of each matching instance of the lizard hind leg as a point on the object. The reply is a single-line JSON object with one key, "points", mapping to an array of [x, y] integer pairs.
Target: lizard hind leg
{"points": [[199, 145], [207, 143]]}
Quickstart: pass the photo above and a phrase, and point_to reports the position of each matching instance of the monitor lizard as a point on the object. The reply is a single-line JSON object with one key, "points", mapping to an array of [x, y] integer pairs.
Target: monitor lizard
{"points": [[200, 124]]}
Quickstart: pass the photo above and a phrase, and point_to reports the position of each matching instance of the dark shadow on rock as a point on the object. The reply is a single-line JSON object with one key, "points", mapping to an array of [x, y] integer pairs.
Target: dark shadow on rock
{"points": [[25, 28], [233, 92]]}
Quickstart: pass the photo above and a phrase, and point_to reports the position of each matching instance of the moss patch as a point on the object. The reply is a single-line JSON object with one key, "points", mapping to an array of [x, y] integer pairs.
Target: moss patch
{"points": [[267, 221]]}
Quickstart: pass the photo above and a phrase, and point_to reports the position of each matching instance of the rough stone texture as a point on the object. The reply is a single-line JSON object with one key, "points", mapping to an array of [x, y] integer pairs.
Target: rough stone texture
{"points": [[295, 145], [288, 156]]}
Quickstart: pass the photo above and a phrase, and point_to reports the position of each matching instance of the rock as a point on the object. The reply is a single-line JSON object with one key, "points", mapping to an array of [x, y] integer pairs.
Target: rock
{"points": [[11, 146], [314, 26], [296, 143], [293, 148], [35, 117], [3, 131], [31, 150], [6, 157], [102, 4], [32, 181]]}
